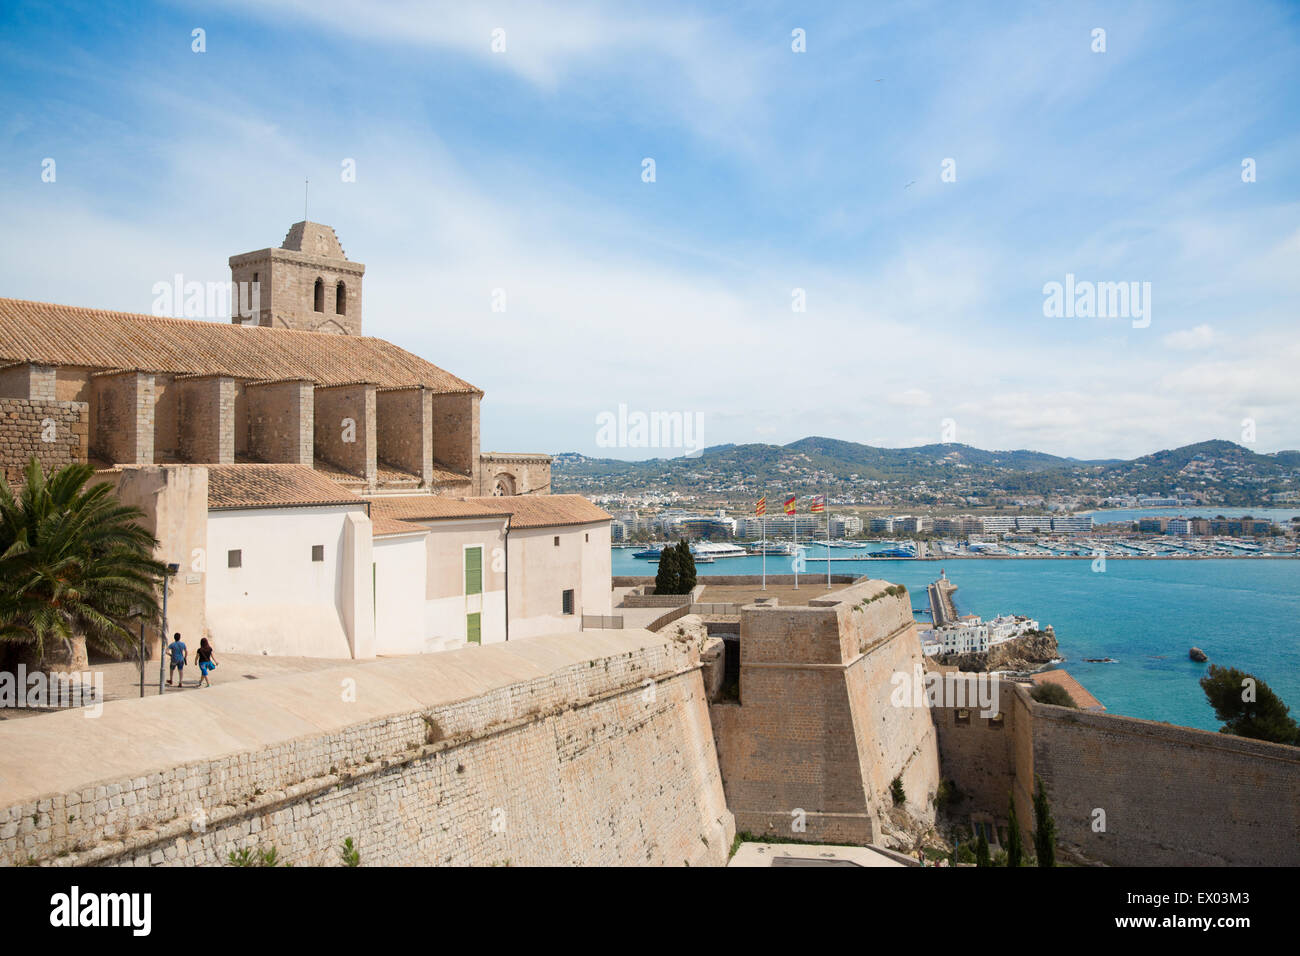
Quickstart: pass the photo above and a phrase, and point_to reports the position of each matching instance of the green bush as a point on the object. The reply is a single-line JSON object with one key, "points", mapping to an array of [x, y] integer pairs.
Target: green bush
{"points": [[1046, 693]]}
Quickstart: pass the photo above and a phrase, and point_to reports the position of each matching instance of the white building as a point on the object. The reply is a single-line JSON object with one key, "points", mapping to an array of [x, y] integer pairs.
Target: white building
{"points": [[845, 526], [1006, 626], [964, 638], [281, 560]]}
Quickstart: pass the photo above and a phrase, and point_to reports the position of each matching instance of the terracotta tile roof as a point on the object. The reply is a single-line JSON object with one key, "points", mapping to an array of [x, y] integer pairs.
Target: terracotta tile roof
{"points": [[1076, 690], [68, 335], [429, 508], [544, 511], [383, 527], [271, 486]]}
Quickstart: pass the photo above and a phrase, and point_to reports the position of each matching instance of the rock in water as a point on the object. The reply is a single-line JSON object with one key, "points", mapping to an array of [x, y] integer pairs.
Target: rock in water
{"points": [[1197, 655]]}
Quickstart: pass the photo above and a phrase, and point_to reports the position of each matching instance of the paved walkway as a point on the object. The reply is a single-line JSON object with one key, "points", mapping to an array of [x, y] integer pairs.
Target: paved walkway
{"points": [[122, 678]]}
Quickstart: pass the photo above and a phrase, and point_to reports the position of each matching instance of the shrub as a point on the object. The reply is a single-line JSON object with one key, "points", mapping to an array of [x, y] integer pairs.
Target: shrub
{"points": [[1047, 693]]}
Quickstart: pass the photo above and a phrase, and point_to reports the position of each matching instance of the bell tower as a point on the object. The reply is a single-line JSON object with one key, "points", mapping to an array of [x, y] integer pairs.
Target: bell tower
{"points": [[308, 284]]}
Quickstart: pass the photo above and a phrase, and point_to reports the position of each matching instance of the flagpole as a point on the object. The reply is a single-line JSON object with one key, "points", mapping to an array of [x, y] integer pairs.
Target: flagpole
{"points": [[763, 546], [794, 520], [826, 506]]}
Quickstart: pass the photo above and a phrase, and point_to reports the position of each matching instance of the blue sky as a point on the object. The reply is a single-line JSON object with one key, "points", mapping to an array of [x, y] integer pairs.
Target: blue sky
{"points": [[522, 171]]}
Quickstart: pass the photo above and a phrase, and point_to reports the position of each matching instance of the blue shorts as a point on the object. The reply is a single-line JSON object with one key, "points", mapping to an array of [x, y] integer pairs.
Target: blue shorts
{"points": [[205, 667]]}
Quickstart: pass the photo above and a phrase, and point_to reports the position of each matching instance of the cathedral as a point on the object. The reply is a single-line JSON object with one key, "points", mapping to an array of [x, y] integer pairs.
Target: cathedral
{"points": [[291, 379], [316, 492]]}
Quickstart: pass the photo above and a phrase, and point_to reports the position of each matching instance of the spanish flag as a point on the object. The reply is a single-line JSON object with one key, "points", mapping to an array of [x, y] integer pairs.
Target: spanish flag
{"points": [[818, 504], [760, 507], [789, 504]]}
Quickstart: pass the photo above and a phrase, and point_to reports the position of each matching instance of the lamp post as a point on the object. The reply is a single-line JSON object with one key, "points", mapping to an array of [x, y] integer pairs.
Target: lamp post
{"points": [[162, 637]]}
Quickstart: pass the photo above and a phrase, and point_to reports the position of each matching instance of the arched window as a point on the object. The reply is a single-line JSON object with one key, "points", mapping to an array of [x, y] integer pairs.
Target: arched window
{"points": [[319, 304], [340, 299]]}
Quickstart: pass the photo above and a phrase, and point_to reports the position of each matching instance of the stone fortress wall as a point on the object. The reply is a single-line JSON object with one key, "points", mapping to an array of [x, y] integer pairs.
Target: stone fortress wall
{"points": [[814, 729], [1170, 795], [590, 749], [605, 747]]}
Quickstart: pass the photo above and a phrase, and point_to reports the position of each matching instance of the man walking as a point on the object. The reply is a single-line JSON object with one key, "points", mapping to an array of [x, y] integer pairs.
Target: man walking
{"points": [[178, 654]]}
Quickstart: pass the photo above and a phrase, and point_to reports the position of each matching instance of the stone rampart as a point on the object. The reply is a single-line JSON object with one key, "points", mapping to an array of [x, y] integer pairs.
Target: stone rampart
{"points": [[590, 748]]}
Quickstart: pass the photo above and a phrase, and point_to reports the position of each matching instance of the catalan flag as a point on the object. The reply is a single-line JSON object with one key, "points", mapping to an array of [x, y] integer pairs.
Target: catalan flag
{"points": [[789, 504], [818, 504], [760, 507]]}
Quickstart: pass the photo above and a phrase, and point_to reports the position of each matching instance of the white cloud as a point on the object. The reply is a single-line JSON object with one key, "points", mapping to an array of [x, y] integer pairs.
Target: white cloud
{"points": [[1198, 337], [915, 397]]}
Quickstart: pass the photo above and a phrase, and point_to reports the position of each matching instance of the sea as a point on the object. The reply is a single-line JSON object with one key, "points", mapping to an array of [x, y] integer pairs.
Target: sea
{"points": [[1145, 614]]}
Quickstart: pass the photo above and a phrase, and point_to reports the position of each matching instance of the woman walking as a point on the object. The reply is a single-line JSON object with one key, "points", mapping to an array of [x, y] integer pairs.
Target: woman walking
{"points": [[206, 663]]}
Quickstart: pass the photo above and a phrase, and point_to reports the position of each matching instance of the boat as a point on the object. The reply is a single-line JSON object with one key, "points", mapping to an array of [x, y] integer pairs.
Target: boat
{"points": [[713, 550], [772, 547], [651, 553], [895, 553]]}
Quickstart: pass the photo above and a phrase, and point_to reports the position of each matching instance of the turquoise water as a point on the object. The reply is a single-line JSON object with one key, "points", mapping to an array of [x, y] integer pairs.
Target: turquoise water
{"points": [[1242, 612]]}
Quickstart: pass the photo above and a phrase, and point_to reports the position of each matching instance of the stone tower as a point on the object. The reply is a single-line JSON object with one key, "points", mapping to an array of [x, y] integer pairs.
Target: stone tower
{"points": [[307, 284]]}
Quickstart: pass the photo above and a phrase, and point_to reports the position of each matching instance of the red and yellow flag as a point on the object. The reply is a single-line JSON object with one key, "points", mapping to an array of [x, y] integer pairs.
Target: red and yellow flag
{"points": [[760, 507], [789, 504], [818, 504]]}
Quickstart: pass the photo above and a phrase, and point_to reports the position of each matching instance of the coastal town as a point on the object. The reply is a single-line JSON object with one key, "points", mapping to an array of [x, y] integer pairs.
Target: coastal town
{"points": [[856, 536]]}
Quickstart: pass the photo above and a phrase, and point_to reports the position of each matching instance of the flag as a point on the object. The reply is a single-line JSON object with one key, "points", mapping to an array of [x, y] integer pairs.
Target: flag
{"points": [[789, 504], [760, 507], [818, 504]]}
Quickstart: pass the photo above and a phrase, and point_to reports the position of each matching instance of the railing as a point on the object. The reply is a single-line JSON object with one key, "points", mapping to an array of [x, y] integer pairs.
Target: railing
{"points": [[598, 622]]}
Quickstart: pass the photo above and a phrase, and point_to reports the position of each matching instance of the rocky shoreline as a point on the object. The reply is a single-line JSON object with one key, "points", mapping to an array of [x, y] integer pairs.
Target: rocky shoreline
{"points": [[1028, 652]]}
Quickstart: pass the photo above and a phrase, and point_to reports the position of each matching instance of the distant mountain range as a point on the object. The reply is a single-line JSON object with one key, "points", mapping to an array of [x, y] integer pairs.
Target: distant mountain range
{"points": [[1224, 471]]}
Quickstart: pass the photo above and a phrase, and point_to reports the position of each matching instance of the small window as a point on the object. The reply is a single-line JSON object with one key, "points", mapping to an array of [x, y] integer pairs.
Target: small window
{"points": [[557, 540], [234, 559], [341, 299], [318, 552], [319, 298], [996, 721], [961, 717], [586, 538], [568, 601]]}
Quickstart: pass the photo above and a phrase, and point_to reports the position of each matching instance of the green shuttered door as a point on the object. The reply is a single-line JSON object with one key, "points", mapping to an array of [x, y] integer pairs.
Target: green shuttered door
{"points": [[473, 570]]}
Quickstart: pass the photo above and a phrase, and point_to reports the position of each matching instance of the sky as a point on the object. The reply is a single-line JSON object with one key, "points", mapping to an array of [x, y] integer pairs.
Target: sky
{"points": [[855, 214]]}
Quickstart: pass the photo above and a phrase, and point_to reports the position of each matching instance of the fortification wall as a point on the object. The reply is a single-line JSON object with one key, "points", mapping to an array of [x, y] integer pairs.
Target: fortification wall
{"points": [[589, 748], [815, 730], [1172, 796]]}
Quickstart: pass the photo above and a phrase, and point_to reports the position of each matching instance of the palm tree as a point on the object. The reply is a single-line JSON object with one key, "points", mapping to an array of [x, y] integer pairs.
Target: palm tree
{"points": [[74, 564]]}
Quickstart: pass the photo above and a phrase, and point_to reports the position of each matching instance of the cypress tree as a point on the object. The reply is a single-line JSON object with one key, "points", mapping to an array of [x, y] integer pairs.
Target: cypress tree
{"points": [[982, 851], [685, 568], [1015, 843], [667, 578], [1044, 827]]}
